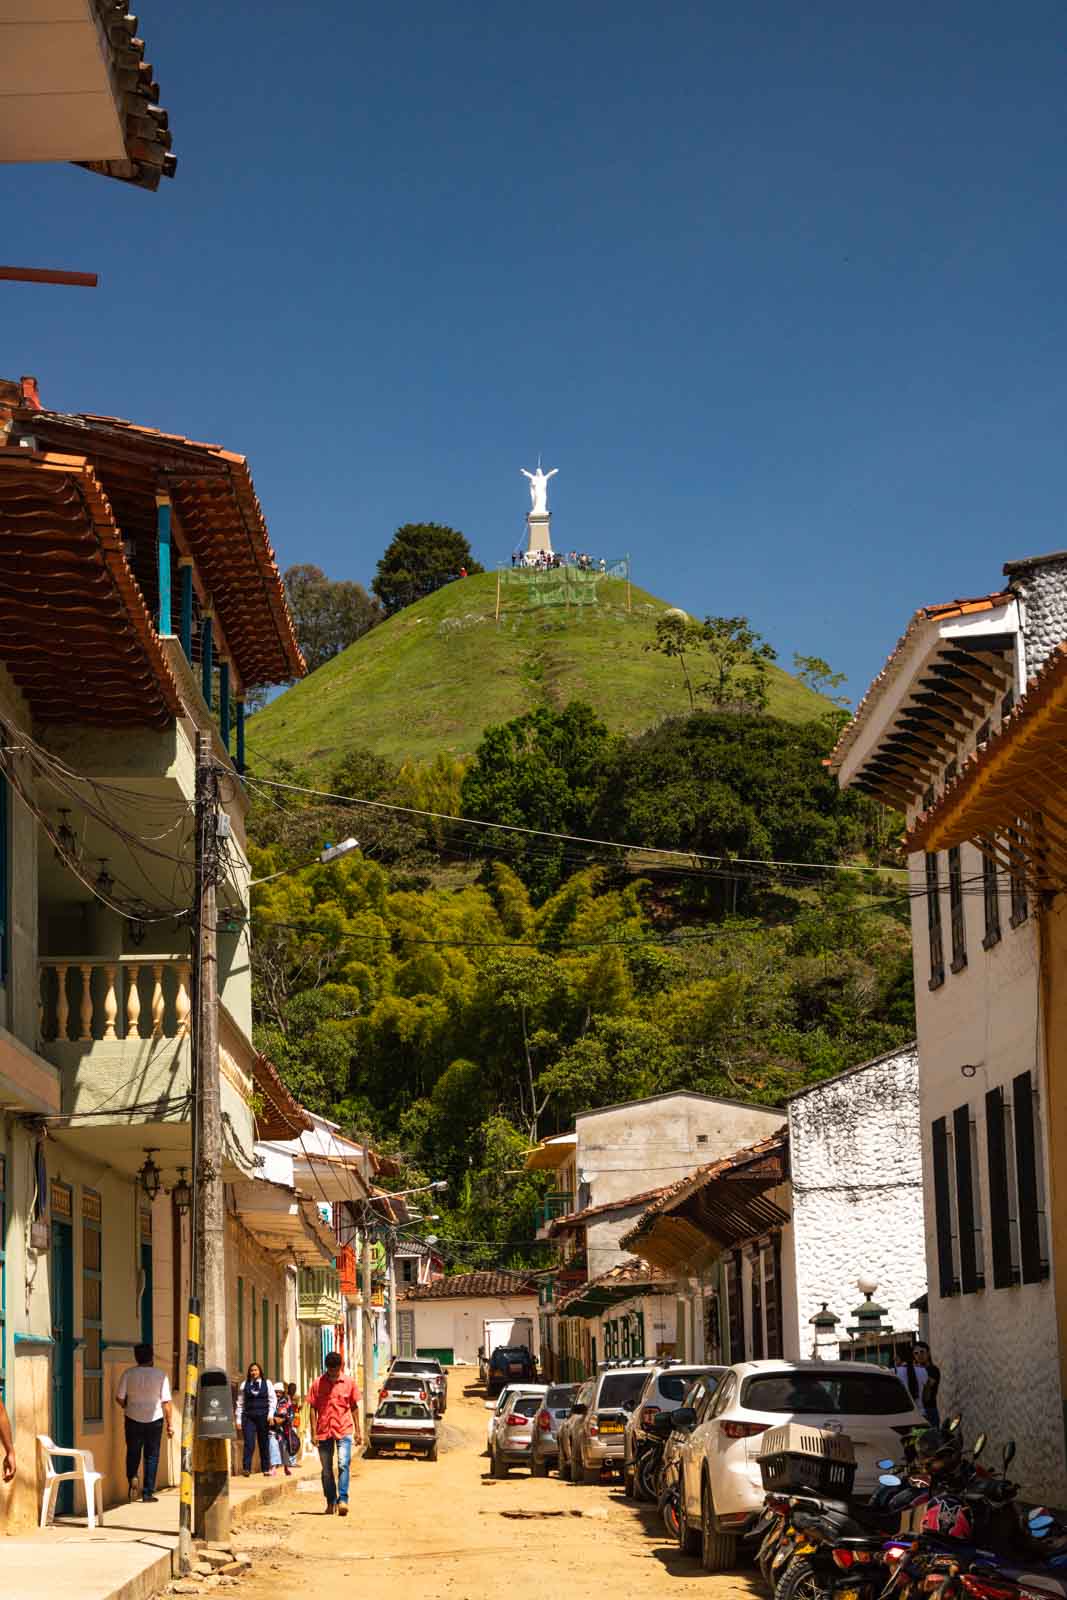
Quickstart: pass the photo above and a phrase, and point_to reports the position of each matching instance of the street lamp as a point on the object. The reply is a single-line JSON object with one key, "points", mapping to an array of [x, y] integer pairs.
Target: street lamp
{"points": [[182, 1193], [149, 1175]]}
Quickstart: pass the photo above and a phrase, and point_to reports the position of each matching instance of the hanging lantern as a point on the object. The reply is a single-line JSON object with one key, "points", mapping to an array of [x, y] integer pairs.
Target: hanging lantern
{"points": [[105, 883], [182, 1193], [66, 845], [149, 1175]]}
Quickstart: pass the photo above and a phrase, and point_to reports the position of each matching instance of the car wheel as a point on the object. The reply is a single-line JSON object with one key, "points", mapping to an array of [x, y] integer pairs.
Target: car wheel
{"points": [[590, 1475], [538, 1467], [688, 1538], [718, 1550], [576, 1469], [801, 1580], [629, 1483], [370, 1453], [499, 1467], [431, 1454]]}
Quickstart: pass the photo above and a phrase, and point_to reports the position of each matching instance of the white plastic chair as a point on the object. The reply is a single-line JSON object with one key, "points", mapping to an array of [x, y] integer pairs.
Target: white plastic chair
{"points": [[84, 1472]]}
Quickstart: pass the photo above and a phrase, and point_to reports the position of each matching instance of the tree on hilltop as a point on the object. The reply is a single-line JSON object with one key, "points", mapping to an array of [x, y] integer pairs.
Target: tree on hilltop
{"points": [[730, 650], [328, 615], [420, 557]]}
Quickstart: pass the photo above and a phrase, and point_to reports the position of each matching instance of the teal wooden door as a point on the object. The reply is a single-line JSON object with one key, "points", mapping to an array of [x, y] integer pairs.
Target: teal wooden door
{"points": [[63, 1348]]}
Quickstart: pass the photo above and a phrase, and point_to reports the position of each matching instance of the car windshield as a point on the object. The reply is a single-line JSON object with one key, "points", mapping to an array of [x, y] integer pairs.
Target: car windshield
{"points": [[621, 1388], [404, 1411], [512, 1352], [402, 1364], [404, 1380], [810, 1393], [562, 1395]]}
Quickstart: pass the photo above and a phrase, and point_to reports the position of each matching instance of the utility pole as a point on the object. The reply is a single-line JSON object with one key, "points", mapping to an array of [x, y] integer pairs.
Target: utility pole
{"points": [[391, 1291], [365, 1298], [211, 1457]]}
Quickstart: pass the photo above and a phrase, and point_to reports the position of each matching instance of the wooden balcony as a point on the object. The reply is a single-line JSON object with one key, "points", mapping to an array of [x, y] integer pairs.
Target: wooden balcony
{"points": [[319, 1298]]}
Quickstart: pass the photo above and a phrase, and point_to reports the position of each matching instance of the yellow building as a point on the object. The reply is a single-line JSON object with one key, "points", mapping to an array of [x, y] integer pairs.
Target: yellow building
{"points": [[138, 592]]}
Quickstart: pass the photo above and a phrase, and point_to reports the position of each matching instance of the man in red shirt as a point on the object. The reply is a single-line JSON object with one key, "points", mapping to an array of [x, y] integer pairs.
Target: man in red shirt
{"points": [[334, 1399]]}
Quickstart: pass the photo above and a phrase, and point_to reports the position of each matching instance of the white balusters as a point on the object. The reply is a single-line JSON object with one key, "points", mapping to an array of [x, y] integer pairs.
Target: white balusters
{"points": [[62, 1007], [84, 1001], [111, 1000], [182, 1002], [133, 1003], [157, 1000], [86, 1011]]}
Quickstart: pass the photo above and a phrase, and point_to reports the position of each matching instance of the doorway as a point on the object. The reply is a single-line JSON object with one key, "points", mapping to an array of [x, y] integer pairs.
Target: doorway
{"points": [[62, 1285]]}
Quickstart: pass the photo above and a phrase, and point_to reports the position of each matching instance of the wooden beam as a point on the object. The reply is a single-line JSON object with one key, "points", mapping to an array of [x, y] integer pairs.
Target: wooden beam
{"points": [[74, 280]]}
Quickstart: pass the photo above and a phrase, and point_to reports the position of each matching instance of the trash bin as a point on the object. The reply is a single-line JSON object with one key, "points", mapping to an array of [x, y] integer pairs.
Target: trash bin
{"points": [[214, 1405]]}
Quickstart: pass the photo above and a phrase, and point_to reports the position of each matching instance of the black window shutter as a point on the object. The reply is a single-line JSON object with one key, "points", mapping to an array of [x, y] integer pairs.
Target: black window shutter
{"points": [[999, 1206], [757, 1308], [942, 1210], [961, 1138], [1026, 1174]]}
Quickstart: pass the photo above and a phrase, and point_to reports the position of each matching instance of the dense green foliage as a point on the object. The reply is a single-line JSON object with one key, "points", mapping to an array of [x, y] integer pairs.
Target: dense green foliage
{"points": [[328, 614], [420, 557], [461, 992]]}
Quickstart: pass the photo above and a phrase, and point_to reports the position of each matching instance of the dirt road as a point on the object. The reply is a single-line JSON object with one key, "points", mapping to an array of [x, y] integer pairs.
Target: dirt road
{"points": [[445, 1530]]}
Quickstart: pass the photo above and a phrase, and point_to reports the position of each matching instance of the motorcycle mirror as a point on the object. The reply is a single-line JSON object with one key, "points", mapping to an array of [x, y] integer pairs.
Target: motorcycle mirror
{"points": [[1038, 1514], [979, 1445], [1009, 1454], [953, 1423], [885, 1466], [889, 1480], [1039, 1526]]}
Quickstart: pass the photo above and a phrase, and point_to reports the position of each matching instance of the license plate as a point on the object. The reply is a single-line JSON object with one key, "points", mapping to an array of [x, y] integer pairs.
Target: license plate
{"points": [[612, 1427], [847, 1594], [514, 1366], [402, 1444]]}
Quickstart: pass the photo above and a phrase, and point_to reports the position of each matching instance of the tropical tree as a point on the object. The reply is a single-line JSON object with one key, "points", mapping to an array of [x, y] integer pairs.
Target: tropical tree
{"points": [[420, 557], [328, 614]]}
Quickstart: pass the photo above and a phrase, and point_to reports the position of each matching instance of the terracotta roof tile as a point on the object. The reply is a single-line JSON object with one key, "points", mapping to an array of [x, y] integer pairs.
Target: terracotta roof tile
{"points": [[75, 632], [281, 1116], [146, 126], [774, 1145], [940, 612], [472, 1285], [632, 1272], [576, 1218]]}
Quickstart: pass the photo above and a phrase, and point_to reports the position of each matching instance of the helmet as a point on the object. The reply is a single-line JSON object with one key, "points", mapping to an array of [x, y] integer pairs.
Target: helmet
{"points": [[939, 1452], [949, 1518]]}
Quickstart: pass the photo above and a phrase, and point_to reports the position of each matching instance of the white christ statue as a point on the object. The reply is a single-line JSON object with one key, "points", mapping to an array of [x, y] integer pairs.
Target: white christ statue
{"points": [[539, 489]]}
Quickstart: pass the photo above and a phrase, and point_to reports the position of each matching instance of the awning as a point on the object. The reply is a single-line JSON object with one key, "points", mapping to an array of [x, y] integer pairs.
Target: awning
{"points": [[285, 1222], [625, 1281], [717, 1207]]}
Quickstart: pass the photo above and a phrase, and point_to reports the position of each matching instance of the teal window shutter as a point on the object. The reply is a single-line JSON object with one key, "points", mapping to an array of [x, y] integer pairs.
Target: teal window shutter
{"points": [[5, 854]]}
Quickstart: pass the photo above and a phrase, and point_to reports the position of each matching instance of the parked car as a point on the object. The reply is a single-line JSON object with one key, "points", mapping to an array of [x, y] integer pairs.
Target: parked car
{"points": [[407, 1386], [510, 1363], [555, 1408], [512, 1441], [429, 1367], [666, 1388], [406, 1427], [720, 1487], [694, 1404], [597, 1439], [498, 1407], [565, 1431]]}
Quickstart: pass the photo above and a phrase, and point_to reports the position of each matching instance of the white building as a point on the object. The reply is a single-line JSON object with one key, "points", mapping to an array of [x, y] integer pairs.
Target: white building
{"points": [[764, 1239], [446, 1317], [952, 677]]}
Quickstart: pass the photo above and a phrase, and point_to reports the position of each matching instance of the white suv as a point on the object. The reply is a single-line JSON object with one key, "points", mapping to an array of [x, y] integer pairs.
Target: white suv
{"points": [[720, 1486]]}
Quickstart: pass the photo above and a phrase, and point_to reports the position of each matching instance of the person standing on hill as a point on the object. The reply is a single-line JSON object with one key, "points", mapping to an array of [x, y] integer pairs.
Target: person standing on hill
{"points": [[334, 1402]]}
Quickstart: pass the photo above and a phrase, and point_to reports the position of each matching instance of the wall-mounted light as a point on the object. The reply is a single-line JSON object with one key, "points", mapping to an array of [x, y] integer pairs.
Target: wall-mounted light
{"points": [[149, 1175], [182, 1193], [66, 846], [969, 1069]]}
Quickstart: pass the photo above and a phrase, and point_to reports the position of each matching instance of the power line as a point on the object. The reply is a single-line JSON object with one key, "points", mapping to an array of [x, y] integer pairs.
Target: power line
{"points": [[568, 838]]}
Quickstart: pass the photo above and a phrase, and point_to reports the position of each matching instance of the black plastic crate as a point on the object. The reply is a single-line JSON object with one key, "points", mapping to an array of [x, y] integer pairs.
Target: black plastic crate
{"points": [[794, 1457]]}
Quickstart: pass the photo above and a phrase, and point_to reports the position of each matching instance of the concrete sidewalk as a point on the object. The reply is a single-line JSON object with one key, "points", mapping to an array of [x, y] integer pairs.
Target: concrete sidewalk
{"points": [[134, 1554]]}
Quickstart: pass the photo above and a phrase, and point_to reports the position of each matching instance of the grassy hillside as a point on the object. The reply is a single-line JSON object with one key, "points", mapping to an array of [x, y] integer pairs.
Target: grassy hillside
{"points": [[435, 675]]}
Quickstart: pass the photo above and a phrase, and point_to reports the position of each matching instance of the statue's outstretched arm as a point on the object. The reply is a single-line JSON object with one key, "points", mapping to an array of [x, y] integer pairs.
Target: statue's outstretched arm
{"points": [[551, 474], [528, 474]]}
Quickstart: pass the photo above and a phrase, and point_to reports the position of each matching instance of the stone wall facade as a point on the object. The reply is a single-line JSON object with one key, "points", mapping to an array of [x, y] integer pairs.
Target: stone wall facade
{"points": [[856, 1162], [1041, 583]]}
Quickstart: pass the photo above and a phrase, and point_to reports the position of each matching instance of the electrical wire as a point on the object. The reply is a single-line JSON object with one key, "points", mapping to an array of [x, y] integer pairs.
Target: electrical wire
{"points": [[569, 838]]}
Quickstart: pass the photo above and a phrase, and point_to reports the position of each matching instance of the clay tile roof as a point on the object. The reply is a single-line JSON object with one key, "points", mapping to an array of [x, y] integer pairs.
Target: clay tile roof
{"points": [[1018, 768], [146, 125], [218, 515], [280, 1115], [472, 1285], [940, 612], [632, 1273], [75, 633], [769, 1150], [574, 1219]]}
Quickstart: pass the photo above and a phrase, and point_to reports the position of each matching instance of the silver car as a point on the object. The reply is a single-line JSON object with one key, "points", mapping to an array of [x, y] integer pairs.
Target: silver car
{"points": [[427, 1367], [496, 1408], [565, 1431], [512, 1441], [597, 1439], [554, 1411], [406, 1427]]}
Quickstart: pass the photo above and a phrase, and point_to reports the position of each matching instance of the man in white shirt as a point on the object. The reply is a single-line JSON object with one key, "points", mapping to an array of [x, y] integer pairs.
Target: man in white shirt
{"points": [[144, 1395]]}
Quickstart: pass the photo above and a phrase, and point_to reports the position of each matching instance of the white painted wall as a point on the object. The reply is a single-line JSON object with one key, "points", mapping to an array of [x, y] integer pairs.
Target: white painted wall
{"points": [[998, 1349], [857, 1201], [457, 1324]]}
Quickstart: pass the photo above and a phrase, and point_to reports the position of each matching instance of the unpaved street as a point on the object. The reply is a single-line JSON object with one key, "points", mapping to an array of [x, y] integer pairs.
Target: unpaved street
{"points": [[447, 1531]]}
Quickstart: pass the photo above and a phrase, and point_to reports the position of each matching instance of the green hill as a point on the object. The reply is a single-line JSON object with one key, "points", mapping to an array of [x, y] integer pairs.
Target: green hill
{"points": [[436, 674]]}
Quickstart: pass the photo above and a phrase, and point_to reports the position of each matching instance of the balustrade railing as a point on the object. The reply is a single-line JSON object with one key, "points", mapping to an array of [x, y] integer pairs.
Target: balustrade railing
{"points": [[125, 997]]}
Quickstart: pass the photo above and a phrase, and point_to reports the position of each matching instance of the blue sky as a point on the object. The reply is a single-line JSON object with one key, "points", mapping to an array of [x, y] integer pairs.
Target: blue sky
{"points": [[779, 288]]}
